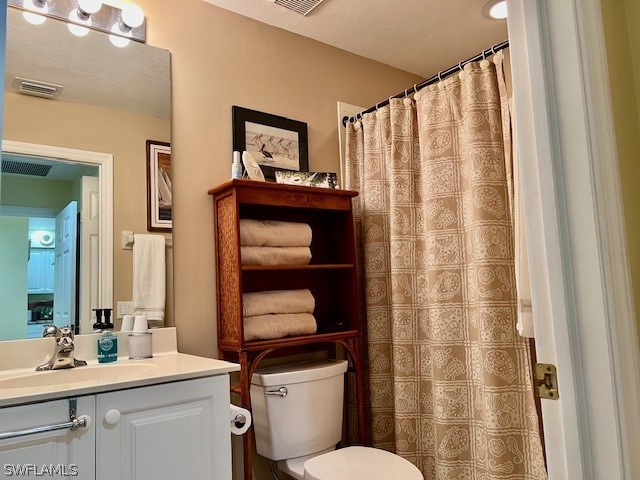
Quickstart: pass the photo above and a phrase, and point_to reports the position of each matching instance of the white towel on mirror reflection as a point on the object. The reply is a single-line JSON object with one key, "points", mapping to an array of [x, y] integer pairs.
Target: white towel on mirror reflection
{"points": [[277, 301], [266, 327], [273, 233], [275, 255], [149, 277]]}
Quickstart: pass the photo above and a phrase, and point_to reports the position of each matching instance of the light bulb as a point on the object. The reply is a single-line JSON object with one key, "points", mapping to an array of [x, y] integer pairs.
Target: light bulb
{"points": [[78, 30], [132, 15], [36, 5], [499, 10], [117, 40], [90, 6], [34, 18]]}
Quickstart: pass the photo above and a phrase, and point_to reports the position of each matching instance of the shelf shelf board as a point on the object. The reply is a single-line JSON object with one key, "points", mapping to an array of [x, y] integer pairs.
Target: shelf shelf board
{"points": [[293, 341], [325, 266]]}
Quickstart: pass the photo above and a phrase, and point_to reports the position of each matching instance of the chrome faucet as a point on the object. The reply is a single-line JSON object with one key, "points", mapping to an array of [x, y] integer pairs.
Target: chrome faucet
{"points": [[63, 354]]}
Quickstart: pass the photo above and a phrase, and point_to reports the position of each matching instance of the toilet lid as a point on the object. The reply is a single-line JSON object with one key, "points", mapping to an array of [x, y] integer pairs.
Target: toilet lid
{"points": [[360, 463]]}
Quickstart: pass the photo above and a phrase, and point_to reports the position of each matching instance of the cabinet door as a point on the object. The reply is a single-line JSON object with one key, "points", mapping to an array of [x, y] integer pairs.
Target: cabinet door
{"points": [[173, 431], [64, 450], [35, 271], [48, 268]]}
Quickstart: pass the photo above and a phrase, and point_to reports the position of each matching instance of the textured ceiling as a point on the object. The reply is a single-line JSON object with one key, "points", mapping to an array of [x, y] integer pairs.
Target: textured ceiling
{"points": [[133, 79], [418, 36]]}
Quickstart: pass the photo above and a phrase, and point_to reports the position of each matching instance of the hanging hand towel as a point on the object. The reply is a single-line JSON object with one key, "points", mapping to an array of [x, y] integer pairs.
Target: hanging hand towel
{"points": [[277, 301], [273, 233], [275, 255], [149, 283]]}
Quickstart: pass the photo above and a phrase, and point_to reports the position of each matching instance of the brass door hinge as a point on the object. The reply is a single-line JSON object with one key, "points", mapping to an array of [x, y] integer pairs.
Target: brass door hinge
{"points": [[546, 378]]}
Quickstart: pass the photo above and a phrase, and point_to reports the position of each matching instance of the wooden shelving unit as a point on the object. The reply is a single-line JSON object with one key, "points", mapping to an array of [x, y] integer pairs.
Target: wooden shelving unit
{"points": [[331, 277]]}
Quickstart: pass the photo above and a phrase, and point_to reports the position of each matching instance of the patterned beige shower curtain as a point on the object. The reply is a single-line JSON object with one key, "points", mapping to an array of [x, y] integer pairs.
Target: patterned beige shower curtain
{"points": [[448, 376]]}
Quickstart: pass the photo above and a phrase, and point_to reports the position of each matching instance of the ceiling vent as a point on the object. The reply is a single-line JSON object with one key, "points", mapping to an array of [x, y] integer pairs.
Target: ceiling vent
{"points": [[303, 7], [25, 168], [36, 88]]}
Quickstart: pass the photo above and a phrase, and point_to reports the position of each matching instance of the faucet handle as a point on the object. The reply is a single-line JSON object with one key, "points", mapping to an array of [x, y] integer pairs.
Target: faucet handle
{"points": [[67, 331], [50, 331]]}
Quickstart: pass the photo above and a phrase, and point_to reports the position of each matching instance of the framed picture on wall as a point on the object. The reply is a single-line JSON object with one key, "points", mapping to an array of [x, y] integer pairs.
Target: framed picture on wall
{"points": [[275, 143], [159, 196]]}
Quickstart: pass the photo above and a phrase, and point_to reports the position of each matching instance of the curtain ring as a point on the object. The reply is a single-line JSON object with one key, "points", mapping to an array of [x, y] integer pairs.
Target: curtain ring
{"points": [[460, 66], [405, 92], [493, 49], [484, 55], [440, 76], [415, 88], [377, 106]]}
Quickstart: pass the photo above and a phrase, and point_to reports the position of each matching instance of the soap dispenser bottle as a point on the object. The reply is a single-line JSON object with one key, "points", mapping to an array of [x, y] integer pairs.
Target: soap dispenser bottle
{"points": [[108, 341]]}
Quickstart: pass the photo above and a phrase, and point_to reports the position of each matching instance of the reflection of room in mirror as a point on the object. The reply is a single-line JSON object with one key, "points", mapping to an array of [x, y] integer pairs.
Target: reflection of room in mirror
{"points": [[111, 102], [273, 147], [43, 200]]}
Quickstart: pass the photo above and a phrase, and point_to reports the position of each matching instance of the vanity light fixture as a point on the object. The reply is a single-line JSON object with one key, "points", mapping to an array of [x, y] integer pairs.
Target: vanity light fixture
{"points": [[496, 9], [82, 16], [131, 17], [30, 9], [127, 23]]}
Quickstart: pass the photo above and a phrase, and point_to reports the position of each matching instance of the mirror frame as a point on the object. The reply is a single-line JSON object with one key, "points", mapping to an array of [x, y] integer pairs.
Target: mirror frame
{"points": [[104, 162]]}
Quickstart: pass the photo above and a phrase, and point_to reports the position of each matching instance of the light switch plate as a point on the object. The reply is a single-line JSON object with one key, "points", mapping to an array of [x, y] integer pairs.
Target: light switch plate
{"points": [[125, 308]]}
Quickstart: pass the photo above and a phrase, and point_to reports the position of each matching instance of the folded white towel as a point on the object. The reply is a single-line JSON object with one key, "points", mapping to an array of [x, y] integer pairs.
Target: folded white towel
{"points": [[277, 301], [273, 233], [266, 327], [275, 255], [149, 283]]}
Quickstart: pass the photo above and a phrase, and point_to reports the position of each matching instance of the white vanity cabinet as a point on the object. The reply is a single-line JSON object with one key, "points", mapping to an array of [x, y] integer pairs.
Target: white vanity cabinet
{"points": [[63, 450], [171, 431], [176, 430]]}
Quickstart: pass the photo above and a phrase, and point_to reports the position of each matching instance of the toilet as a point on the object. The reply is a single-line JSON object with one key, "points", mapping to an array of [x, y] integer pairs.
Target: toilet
{"points": [[297, 417]]}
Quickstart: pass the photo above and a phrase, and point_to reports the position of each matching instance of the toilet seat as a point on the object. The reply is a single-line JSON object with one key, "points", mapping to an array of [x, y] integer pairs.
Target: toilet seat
{"points": [[360, 463]]}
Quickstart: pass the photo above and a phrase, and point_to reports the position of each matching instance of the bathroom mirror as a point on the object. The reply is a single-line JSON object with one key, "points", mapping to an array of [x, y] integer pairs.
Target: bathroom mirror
{"points": [[78, 111]]}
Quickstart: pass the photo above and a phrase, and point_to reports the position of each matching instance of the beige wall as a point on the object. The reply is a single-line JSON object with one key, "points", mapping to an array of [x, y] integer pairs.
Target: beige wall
{"points": [[220, 59], [18, 190], [72, 125], [622, 35]]}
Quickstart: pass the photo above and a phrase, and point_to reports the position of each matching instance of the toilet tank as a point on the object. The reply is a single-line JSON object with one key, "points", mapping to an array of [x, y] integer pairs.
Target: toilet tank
{"points": [[305, 421]]}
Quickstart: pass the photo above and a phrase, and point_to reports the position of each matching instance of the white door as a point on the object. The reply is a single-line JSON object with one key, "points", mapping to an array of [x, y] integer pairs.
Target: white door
{"points": [[582, 305], [64, 450], [89, 250], [64, 295], [165, 432]]}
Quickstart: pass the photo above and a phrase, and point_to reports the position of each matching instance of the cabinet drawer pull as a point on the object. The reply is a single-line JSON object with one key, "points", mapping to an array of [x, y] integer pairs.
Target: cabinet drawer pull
{"points": [[112, 417], [83, 421], [281, 392]]}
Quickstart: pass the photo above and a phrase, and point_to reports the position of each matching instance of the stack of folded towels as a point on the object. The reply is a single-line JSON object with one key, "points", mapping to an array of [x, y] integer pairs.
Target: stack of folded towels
{"points": [[271, 242], [278, 313]]}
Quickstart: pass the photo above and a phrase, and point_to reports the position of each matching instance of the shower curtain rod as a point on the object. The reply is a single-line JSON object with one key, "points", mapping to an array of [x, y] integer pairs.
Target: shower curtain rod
{"points": [[441, 75]]}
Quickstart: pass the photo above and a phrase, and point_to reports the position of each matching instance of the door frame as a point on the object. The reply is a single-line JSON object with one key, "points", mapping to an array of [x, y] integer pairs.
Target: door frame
{"points": [[104, 162], [581, 282]]}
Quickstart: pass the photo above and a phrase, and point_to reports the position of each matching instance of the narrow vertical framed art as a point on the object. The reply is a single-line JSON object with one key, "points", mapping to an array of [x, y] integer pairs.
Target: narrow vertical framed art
{"points": [[159, 193]]}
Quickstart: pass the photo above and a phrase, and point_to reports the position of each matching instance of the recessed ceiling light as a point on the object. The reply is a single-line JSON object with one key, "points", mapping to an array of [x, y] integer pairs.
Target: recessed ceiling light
{"points": [[496, 9]]}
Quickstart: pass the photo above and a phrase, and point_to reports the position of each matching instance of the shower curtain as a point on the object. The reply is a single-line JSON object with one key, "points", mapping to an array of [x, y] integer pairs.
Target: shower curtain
{"points": [[448, 375]]}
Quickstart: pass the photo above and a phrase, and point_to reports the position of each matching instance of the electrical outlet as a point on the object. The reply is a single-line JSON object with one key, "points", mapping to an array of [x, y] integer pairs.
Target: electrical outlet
{"points": [[125, 308]]}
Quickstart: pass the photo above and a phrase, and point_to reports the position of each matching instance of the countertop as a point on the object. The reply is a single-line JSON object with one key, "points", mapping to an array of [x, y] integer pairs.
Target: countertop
{"points": [[20, 358]]}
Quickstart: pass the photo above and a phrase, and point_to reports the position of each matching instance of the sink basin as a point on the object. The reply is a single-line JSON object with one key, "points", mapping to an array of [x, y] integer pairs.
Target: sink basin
{"points": [[92, 373]]}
